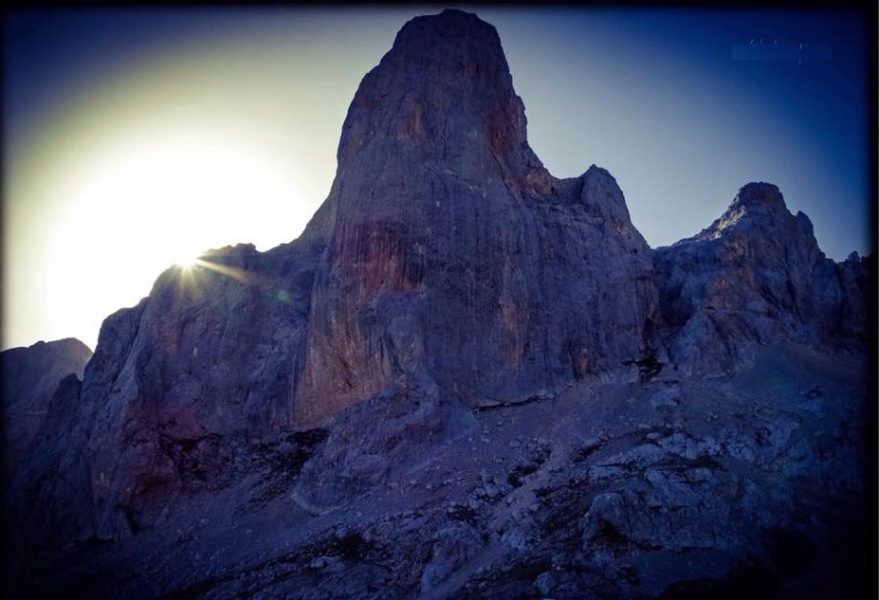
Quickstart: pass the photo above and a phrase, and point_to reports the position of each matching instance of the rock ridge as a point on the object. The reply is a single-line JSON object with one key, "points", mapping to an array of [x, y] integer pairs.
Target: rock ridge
{"points": [[756, 276], [30, 378]]}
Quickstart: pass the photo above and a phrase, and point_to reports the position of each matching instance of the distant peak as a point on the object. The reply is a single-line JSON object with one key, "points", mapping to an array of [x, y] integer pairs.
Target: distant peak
{"points": [[757, 204], [69, 343], [758, 201], [759, 194], [596, 171]]}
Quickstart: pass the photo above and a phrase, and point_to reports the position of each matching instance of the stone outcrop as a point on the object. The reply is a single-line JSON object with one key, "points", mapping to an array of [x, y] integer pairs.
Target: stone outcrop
{"points": [[48, 508], [30, 378], [442, 215], [409, 423], [177, 384], [754, 277], [42, 488], [211, 356]]}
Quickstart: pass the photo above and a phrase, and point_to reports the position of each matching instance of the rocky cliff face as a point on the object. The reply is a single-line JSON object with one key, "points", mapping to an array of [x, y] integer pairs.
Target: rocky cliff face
{"points": [[208, 361], [756, 276], [41, 385], [442, 224], [30, 378], [467, 354]]}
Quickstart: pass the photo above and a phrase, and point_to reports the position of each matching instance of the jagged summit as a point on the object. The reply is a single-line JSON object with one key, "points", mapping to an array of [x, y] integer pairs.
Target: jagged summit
{"points": [[755, 275], [759, 213], [759, 193], [759, 201]]}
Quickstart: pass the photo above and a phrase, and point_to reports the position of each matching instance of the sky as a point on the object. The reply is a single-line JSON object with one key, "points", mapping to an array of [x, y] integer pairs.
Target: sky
{"points": [[136, 138]]}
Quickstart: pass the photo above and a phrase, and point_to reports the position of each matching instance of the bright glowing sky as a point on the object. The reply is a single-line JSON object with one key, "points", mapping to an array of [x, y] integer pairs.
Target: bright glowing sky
{"points": [[135, 138]]}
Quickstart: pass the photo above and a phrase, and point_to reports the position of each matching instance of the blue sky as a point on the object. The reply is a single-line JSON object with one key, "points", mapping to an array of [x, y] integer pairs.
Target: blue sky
{"points": [[103, 109], [655, 97]]}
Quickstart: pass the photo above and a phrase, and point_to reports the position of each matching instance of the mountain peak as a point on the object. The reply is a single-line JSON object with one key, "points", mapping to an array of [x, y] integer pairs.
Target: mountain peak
{"points": [[442, 96], [760, 196], [757, 206], [436, 179]]}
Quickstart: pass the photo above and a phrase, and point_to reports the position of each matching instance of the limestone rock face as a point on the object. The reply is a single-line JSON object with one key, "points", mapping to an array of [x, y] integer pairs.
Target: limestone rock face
{"points": [[756, 276], [754, 483], [46, 502], [441, 214], [467, 378], [852, 322], [30, 378], [211, 354], [408, 423], [48, 507]]}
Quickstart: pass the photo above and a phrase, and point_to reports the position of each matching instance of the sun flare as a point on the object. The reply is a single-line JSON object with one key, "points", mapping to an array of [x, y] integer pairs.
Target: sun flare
{"points": [[186, 262], [185, 194]]}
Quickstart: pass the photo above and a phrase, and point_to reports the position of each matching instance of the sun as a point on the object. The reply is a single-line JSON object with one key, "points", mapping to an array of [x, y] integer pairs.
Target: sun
{"points": [[186, 262], [138, 203]]}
